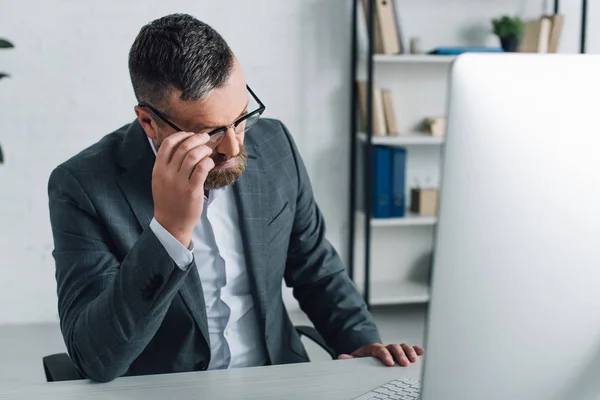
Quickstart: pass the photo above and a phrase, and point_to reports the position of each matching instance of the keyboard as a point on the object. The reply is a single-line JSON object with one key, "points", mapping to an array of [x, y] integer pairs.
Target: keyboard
{"points": [[398, 389]]}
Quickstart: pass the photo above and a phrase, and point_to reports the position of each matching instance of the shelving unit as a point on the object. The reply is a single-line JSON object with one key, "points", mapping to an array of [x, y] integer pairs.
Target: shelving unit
{"points": [[389, 259], [400, 248]]}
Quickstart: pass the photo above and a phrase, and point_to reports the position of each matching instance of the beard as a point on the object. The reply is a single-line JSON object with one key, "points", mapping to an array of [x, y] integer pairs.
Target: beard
{"points": [[219, 178]]}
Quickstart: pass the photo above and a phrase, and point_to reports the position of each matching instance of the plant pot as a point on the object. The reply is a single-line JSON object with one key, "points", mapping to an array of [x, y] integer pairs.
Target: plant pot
{"points": [[510, 44]]}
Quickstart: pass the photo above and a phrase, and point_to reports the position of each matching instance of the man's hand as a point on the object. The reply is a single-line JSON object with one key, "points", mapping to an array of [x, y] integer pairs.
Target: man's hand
{"points": [[182, 164], [401, 353]]}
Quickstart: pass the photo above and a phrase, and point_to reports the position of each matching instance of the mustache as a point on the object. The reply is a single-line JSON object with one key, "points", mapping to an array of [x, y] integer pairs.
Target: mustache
{"points": [[220, 158]]}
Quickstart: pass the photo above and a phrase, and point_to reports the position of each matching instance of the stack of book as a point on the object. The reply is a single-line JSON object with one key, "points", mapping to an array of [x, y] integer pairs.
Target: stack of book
{"points": [[384, 117], [386, 27], [542, 35]]}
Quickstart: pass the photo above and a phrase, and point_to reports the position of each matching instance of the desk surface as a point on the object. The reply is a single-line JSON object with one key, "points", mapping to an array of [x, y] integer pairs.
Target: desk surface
{"points": [[341, 379]]}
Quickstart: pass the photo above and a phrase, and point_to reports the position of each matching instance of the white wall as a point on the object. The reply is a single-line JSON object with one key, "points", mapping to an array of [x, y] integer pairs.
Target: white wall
{"points": [[70, 86]]}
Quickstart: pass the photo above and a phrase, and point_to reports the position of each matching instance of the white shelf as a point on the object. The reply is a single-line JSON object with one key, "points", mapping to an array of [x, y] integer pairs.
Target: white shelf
{"points": [[413, 58], [396, 292], [410, 219], [404, 139]]}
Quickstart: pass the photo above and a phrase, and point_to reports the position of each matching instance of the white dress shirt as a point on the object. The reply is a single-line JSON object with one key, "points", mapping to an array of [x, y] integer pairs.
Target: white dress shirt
{"points": [[235, 339]]}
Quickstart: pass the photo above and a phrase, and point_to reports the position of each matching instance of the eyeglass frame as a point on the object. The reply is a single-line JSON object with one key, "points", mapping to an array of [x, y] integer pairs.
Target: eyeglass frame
{"points": [[223, 129]]}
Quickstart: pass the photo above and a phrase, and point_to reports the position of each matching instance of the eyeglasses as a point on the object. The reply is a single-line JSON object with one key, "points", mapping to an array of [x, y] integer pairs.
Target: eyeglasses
{"points": [[241, 125]]}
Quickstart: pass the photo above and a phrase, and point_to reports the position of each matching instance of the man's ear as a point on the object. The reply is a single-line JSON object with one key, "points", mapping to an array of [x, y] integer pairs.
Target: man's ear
{"points": [[146, 122]]}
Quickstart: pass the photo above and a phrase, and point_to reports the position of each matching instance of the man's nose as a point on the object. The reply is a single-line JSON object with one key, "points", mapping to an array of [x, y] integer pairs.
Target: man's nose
{"points": [[230, 146]]}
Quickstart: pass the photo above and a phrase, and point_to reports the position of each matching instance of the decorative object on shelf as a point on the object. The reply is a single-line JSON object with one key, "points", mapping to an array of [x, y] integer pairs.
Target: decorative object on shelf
{"points": [[424, 201], [415, 45], [435, 126], [4, 44], [509, 30]]}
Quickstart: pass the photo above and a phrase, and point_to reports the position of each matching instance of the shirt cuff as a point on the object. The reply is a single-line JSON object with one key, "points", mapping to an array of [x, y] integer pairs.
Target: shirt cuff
{"points": [[181, 256]]}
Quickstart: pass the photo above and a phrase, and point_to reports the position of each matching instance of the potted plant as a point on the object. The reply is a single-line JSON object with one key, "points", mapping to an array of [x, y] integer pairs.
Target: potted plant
{"points": [[509, 30], [4, 44]]}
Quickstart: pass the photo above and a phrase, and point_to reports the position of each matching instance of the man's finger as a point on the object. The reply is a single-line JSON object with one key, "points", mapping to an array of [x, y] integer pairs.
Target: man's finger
{"points": [[193, 157], [420, 351], [200, 172], [344, 356], [399, 354], [169, 145], [184, 147], [383, 354], [410, 352]]}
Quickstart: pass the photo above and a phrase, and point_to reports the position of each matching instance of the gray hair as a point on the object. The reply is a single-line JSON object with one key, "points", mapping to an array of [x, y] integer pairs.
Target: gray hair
{"points": [[178, 52]]}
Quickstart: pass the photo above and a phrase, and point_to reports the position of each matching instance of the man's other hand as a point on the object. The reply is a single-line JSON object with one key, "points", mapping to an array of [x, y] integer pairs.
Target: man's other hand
{"points": [[403, 354]]}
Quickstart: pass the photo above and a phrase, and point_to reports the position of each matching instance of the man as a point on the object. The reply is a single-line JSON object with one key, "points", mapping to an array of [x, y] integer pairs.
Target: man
{"points": [[173, 234]]}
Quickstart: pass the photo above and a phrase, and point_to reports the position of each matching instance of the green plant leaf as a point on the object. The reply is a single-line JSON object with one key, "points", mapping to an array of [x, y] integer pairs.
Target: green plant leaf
{"points": [[5, 44], [507, 26]]}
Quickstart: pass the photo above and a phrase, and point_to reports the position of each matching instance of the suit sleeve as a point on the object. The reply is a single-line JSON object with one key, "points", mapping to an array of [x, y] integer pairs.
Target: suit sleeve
{"points": [[318, 277], [109, 308]]}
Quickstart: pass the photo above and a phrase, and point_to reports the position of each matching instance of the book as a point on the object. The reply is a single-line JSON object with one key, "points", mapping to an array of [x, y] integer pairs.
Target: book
{"points": [[399, 27], [382, 193], [536, 36], [379, 128], [555, 32], [388, 110], [398, 208], [377, 41], [387, 24]]}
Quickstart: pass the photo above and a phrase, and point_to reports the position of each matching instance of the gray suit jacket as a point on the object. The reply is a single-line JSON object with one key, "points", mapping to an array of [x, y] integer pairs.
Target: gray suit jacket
{"points": [[126, 309]]}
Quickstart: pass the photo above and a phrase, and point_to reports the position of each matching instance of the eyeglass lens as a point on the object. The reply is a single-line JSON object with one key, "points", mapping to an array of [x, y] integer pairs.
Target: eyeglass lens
{"points": [[241, 127]]}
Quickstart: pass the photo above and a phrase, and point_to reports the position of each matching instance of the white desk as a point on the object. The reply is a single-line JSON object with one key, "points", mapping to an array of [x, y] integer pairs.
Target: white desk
{"points": [[342, 379]]}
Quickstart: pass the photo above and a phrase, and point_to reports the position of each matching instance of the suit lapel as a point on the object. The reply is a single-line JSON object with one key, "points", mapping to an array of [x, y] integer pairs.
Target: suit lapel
{"points": [[137, 159], [251, 194]]}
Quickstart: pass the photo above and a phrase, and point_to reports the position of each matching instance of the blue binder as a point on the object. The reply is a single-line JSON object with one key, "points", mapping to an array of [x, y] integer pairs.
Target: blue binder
{"points": [[454, 51], [398, 208], [382, 162]]}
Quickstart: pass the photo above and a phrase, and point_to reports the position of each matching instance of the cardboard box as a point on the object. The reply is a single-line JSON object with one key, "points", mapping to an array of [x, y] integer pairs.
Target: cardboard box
{"points": [[424, 201]]}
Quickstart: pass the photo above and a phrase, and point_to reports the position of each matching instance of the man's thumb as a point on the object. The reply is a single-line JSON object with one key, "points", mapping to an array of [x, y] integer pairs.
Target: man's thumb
{"points": [[344, 356]]}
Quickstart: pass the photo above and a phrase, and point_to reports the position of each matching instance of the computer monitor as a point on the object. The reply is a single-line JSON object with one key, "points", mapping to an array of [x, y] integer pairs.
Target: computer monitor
{"points": [[515, 306]]}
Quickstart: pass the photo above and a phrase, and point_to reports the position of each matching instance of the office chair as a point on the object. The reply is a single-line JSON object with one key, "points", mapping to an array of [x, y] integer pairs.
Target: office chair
{"points": [[59, 367]]}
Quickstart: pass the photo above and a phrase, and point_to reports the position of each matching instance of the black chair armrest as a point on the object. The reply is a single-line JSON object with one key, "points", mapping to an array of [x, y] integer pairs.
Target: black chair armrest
{"points": [[59, 367], [313, 335]]}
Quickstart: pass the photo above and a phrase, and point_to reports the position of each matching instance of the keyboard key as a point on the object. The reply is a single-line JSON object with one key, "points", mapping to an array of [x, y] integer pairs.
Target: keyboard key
{"points": [[397, 389]]}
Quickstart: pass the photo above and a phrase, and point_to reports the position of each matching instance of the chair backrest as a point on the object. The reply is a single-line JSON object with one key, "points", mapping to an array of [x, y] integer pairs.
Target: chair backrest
{"points": [[59, 367]]}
